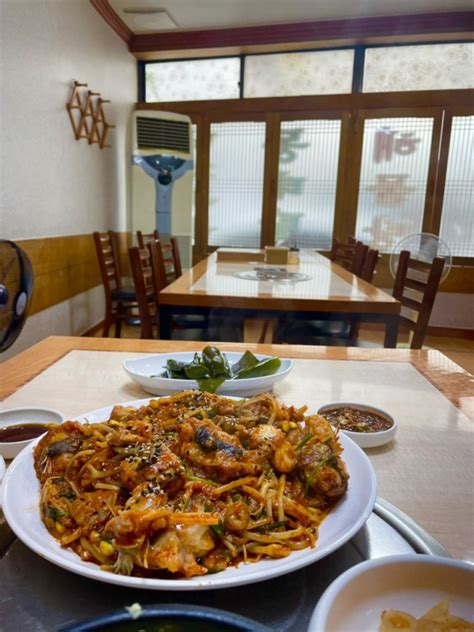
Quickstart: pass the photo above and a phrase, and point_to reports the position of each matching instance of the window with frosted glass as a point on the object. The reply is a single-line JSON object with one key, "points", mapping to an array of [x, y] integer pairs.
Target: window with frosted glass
{"points": [[393, 177], [293, 74], [457, 221], [236, 184], [307, 182], [430, 67], [193, 80]]}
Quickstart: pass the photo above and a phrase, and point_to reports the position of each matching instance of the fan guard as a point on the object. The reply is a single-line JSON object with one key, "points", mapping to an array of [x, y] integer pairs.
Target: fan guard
{"points": [[423, 247]]}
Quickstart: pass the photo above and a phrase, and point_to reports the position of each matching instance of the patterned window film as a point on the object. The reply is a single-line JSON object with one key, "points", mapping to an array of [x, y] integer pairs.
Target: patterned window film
{"points": [[307, 182], [293, 74], [457, 223], [393, 178], [236, 184], [193, 80], [430, 67]]}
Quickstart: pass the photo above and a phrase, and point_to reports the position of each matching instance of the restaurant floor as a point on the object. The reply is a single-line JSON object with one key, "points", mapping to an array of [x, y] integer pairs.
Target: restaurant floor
{"points": [[459, 350]]}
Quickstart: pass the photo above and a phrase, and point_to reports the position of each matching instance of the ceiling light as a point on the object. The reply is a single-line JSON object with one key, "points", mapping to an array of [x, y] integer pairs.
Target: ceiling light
{"points": [[149, 18]]}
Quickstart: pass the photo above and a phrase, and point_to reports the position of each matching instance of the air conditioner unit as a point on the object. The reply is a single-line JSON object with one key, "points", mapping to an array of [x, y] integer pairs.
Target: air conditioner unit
{"points": [[162, 177]]}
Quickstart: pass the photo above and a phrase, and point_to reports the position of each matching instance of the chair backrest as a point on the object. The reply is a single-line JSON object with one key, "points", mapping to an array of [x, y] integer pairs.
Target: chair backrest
{"points": [[341, 251], [106, 245], [357, 263], [144, 238], [160, 275], [143, 278], [370, 262], [170, 250], [350, 255], [176, 257], [417, 279]]}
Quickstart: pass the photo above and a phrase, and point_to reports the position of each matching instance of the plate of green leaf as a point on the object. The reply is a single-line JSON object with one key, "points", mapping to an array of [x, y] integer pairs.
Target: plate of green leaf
{"points": [[231, 373]]}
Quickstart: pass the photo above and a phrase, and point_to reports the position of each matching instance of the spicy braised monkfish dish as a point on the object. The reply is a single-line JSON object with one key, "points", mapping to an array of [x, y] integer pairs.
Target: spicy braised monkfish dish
{"points": [[189, 484]]}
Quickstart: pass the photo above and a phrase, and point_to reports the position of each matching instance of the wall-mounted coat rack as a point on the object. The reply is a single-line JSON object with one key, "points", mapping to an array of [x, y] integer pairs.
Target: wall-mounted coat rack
{"points": [[87, 116]]}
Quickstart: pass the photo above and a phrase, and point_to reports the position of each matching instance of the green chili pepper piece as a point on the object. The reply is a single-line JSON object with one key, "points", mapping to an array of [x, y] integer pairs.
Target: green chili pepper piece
{"points": [[196, 371], [176, 369], [54, 513], [218, 529], [216, 362], [247, 361], [304, 441], [210, 384], [265, 367]]}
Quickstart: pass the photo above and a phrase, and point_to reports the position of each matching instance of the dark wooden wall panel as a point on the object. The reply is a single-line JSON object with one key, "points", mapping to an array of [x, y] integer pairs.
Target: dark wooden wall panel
{"points": [[65, 266]]}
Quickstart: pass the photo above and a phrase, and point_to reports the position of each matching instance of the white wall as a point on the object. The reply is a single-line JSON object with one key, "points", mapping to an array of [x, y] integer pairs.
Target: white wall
{"points": [[51, 184]]}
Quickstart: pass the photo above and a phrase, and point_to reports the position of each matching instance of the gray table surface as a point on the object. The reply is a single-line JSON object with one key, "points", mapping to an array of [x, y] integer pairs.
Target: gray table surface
{"points": [[37, 596]]}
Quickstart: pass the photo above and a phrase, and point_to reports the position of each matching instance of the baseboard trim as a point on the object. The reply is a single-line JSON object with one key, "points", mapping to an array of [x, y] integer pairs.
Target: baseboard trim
{"points": [[93, 330], [452, 332], [448, 332]]}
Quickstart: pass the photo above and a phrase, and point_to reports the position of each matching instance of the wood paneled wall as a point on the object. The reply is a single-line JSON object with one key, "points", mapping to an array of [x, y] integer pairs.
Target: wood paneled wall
{"points": [[65, 266]]}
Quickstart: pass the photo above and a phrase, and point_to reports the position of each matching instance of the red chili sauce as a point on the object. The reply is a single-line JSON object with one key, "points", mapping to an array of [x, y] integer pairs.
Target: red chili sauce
{"points": [[22, 432], [356, 420]]}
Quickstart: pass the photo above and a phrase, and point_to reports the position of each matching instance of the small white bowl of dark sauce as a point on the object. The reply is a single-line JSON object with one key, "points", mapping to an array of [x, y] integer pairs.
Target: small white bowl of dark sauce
{"points": [[367, 425], [19, 426]]}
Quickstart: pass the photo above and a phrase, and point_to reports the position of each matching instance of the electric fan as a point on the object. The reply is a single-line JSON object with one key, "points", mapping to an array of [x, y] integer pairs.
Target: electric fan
{"points": [[423, 247], [16, 288]]}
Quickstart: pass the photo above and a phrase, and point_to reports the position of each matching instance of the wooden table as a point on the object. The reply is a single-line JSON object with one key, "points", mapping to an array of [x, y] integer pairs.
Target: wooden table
{"points": [[427, 471], [331, 293]]}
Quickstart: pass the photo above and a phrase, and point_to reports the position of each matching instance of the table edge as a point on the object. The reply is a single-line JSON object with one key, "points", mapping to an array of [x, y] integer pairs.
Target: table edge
{"points": [[456, 384]]}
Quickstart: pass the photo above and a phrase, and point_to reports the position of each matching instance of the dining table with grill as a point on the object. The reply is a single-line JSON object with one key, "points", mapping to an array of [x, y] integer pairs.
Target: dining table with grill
{"points": [[315, 288]]}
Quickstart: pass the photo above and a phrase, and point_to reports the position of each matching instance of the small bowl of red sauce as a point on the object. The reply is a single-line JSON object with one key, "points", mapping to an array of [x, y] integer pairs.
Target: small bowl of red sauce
{"points": [[19, 426], [367, 425]]}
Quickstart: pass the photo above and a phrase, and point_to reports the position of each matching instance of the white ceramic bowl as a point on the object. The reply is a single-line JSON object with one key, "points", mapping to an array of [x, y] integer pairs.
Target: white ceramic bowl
{"points": [[411, 583], [15, 416], [2, 467], [141, 370], [366, 439]]}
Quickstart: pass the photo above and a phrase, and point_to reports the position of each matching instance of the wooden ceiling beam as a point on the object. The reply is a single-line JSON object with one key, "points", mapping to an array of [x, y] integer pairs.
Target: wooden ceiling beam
{"points": [[443, 26]]}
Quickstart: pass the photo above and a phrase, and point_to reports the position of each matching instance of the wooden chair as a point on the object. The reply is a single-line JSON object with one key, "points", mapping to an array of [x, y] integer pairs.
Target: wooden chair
{"points": [[144, 280], [370, 263], [416, 285], [161, 275], [120, 301], [144, 238], [187, 327], [367, 274], [176, 256], [350, 255], [170, 252], [150, 275], [358, 259], [169, 260]]}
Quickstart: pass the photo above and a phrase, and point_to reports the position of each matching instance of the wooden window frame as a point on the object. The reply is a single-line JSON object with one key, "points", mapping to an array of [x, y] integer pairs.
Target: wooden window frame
{"points": [[352, 110]]}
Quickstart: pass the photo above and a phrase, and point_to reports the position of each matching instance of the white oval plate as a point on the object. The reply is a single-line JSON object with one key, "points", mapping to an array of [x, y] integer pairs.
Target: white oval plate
{"points": [[140, 370], [411, 583], [21, 508]]}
